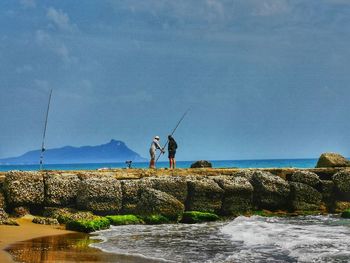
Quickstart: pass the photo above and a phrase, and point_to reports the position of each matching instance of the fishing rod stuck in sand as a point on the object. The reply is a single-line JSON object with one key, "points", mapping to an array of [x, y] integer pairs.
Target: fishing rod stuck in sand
{"points": [[44, 133]]}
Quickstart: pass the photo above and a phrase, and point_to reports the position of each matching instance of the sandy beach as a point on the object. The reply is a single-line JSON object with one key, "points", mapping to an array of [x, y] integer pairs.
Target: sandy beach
{"points": [[25, 231]]}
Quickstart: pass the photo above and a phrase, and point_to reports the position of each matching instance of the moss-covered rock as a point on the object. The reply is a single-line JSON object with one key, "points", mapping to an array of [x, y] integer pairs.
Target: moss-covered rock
{"points": [[304, 197], [87, 226], [154, 202], [192, 217], [305, 177], [342, 183], [270, 191], [204, 195], [131, 194], [172, 185], [24, 188], [64, 215], [61, 189], [20, 211], [100, 194], [345, 214], [155, 219], [238, 195], [327, 190], [118, 220], [340, 206]]}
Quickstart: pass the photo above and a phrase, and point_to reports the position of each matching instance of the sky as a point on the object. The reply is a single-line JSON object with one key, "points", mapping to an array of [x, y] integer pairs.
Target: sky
{"points": [[262, 78]]}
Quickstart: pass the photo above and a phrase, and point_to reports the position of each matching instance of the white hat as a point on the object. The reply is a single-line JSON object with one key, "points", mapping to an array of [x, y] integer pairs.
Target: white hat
{"points": [[157, 137]]}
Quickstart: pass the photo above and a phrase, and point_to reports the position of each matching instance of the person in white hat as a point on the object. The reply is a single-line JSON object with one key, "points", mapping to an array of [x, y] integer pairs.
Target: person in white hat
{"points": [[152, 151]]}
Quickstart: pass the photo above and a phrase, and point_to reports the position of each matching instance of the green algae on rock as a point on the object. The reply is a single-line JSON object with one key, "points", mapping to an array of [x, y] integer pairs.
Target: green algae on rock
{"points": [[192, 217], [118, 220], [346, 214], [87, 226]]}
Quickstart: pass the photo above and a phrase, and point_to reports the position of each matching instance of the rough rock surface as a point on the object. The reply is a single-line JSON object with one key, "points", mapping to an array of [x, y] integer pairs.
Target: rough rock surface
{"points": [[3, 216], [327, 190], [45, 221], [65, 214], [20, 211], [131, 194], [341, 206], [248, 174], [332, 160], [304, 197], [155, 202], [174, 185], [61, 189], [305, 177], [342, 181], [204, 195], [270, 191], [2, 200], [24, 188], [238, 195], [201, 164], [101, 195]]}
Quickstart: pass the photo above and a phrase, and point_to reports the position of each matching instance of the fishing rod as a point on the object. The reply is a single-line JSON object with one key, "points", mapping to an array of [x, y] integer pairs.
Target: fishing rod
{"points": [[177, 125], [44, 134]]}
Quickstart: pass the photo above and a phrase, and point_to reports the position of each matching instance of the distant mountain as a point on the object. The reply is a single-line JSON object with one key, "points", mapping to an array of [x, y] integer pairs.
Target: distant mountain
{"points": [[114, 151]]}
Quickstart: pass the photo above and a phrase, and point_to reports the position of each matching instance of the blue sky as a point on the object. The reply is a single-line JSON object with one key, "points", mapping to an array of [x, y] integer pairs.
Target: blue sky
{"points": [[263, 78]]}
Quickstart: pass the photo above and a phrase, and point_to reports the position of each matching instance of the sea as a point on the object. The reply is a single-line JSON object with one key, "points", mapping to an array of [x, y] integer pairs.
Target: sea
{"points": [[272, 163], [243, 239]]}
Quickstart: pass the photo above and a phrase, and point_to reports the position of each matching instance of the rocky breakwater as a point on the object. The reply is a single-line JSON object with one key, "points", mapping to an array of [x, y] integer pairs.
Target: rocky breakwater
{"points": [[69, 195]]}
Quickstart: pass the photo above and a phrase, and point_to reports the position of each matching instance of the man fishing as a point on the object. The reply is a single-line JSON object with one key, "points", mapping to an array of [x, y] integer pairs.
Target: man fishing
{"points": [[172, 146], [152, 151]]}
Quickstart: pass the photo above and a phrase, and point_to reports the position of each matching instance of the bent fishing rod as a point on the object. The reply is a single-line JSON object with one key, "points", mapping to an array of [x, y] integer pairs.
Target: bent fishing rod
{"points": [[44, 134], [177, 125]]}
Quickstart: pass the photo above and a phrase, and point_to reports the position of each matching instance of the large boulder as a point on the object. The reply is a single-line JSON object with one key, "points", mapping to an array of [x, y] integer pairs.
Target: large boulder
{"points": [[238, 195], [204, 195], [155, 202], [101, 195], [248, 174], [332, 160], [201, 164], [24, 188], [305, 177], [131, 194], [173, 185], [342, 184], [61, 189], [270, 191], [304, 197]]}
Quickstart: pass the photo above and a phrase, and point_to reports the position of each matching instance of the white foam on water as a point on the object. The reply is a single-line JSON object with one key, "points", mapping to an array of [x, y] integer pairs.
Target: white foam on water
{"points": [[302, 239]]}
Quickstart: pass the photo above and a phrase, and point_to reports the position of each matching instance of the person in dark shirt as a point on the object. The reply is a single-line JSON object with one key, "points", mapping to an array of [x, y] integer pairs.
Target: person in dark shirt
{"points": [[172, 146]]}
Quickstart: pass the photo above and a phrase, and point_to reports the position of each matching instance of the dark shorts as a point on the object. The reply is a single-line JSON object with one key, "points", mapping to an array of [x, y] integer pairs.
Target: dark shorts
{"points": [[172, 154]]}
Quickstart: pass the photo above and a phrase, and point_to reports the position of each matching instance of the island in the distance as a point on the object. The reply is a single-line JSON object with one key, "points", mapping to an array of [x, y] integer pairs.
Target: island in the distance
{"points": [[114, 151]]}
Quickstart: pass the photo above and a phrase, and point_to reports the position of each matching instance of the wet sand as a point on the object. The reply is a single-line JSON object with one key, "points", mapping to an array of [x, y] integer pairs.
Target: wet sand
{"points": [[31, 242], [25, 230]]}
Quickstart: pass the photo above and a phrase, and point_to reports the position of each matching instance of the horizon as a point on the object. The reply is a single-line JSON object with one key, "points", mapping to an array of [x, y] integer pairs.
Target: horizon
{"points": [[265, 79], [117, 140]]}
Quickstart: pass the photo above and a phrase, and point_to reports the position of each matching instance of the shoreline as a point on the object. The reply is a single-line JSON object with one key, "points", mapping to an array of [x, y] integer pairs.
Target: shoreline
{"points": [[10, 235]]}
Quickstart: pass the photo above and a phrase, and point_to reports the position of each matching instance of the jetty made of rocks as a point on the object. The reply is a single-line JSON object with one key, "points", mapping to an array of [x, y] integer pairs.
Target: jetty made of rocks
{"points": [[227, 192]]}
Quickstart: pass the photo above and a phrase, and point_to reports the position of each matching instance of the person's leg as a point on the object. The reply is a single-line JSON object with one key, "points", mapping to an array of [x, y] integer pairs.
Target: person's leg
{"points": [[170, 163], [152, 162], [174, 163]]}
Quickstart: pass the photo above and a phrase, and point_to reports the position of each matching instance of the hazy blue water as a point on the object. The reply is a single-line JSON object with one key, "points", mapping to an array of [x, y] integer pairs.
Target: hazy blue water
{"points": [[298, 163], [243, 239]]}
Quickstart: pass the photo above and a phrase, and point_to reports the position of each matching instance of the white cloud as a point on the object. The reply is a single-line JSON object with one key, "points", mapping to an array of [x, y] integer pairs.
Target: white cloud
{"points": [[55, 45], [61, 20], [28, 3], [269, 7]]}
